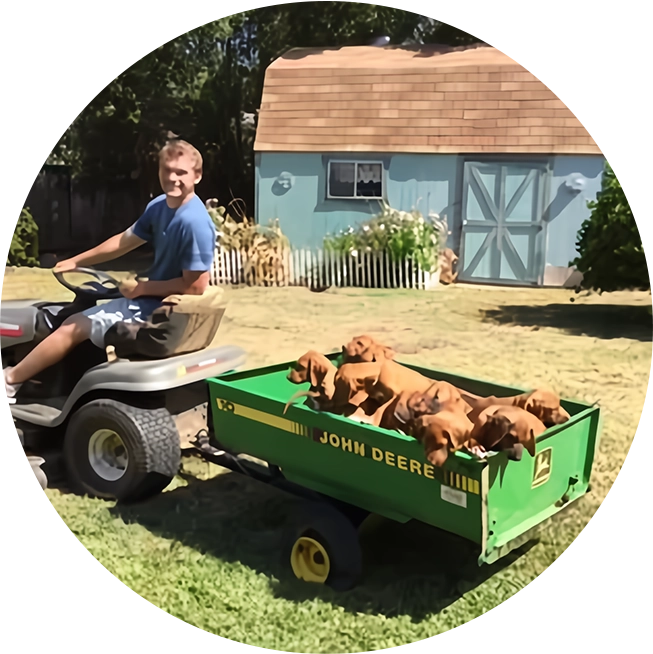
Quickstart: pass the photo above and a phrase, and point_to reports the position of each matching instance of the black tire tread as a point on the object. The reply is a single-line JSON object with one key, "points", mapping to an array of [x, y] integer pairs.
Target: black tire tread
{"points": [[338, 535], [155, 454]]}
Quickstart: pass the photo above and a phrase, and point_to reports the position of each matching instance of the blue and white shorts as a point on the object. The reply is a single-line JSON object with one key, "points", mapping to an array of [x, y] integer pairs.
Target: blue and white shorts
{"points": [[103, 316]]}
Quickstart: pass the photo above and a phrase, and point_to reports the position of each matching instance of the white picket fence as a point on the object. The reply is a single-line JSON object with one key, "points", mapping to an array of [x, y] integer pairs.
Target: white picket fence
{"points": [[317, 268]]}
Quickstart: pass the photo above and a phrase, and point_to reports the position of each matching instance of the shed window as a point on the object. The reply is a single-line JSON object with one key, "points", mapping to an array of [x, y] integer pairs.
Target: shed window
{"points": [[355, 179]]}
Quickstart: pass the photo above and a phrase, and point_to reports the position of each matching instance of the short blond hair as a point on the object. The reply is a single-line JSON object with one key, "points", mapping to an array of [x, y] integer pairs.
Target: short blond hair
{"points": [[176, 148]]}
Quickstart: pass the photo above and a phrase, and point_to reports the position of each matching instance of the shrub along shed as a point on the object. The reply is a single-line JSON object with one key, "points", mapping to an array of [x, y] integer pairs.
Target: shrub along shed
{"points": [[466, 133]]}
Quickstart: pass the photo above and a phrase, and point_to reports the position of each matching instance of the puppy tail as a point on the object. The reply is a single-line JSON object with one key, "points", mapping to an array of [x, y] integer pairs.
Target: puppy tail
{"points": [[296, 396]]}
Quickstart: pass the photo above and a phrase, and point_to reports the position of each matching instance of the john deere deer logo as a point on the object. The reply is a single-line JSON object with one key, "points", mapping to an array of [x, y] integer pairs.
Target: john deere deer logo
{"points": [[542, 468]]}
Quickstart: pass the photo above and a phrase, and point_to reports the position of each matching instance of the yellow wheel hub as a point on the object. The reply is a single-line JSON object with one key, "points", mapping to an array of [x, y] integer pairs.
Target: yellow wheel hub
{"points": [[309, 560]]}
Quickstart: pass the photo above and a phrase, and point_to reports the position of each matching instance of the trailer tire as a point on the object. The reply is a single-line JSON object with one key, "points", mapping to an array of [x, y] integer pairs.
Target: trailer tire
{"points": [[117, 451], [321, 531]]}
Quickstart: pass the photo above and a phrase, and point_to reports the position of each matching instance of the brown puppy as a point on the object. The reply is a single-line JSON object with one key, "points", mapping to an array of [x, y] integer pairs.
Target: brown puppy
{"points": [[403, 409], [364, 349], [394, 379], [366, 413], [440, 396], [395, 414], [315, 368], [349, 384], [444, 432], [543, 404], [352, 381], [448, 261], [502, 427]]}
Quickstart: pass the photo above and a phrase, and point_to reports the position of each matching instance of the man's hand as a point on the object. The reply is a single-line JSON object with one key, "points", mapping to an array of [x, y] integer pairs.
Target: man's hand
{"points": [[130, 288], [66, 265]]}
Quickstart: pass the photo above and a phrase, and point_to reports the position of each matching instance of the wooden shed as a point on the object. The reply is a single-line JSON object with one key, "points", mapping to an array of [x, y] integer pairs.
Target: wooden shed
{"points": [[466, 133]]}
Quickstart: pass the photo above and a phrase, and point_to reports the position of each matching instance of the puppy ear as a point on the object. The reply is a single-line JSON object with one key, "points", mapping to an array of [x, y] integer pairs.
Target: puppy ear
{"points": [[534, 401], [530, 443], [534, 406], [515, 453], [368, 355], [388, 352], [456, 439], [438, 457], [561, 415], [312, 375], [402, 412], [496, 428]]}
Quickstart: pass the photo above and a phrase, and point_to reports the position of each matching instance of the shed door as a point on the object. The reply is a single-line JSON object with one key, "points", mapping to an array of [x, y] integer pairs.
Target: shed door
{"points": [[503, 235]]}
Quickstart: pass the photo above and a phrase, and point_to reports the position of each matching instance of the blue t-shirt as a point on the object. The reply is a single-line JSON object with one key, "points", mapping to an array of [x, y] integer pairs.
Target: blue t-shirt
{"points": [[183, 238]]}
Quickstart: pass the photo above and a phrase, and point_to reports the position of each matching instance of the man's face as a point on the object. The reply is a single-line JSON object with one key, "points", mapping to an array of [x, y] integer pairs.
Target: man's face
{"points": [[178, 179]]}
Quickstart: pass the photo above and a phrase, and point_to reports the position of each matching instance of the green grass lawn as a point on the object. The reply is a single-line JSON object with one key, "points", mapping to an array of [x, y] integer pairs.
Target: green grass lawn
{"points": [[207, 550]]}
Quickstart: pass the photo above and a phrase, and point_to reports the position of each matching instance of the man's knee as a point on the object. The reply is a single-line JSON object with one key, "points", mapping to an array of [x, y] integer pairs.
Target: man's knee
{"points": [[78, 326]]}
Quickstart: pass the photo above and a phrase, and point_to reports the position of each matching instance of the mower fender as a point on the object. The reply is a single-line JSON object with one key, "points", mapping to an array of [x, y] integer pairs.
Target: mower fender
{"points": [[146, 376]]}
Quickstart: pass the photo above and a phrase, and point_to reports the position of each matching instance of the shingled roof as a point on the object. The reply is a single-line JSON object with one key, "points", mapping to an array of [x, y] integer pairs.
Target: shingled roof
{"points": [[412, 99]]}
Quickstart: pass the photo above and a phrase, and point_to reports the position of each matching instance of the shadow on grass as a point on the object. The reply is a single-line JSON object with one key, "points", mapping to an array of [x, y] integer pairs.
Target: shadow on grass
{"points": [[410, 569], [597, 320]]}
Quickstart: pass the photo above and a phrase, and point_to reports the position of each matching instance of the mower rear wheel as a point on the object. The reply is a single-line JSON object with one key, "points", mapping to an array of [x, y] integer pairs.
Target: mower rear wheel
{"points": [[117, 451]]}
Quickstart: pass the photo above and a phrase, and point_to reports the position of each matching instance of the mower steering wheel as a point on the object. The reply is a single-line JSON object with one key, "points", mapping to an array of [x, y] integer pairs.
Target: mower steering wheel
{"points": [[97, 290]]}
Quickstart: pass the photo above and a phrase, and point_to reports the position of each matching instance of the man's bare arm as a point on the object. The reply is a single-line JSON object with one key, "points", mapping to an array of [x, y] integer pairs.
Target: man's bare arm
{"points": [[191, 283], [112, 248]]}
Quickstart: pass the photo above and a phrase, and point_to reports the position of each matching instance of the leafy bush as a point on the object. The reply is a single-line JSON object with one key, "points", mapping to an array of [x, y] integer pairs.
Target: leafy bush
{"points": [[402, 234], [611, 254], [246, 234], [265, 250], [24, 248]]}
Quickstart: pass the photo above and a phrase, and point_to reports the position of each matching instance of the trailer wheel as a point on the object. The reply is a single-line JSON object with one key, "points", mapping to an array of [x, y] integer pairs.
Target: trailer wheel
{"points": [[324, 547], [116, 451]]}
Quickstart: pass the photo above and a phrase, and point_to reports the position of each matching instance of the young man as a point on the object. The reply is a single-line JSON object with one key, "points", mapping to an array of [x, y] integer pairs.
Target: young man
{"points": [[183, 237]]}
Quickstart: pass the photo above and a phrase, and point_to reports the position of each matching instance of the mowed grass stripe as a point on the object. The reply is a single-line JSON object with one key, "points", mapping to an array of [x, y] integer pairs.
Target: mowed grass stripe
{"points": [[619, 620], [57, 594]]}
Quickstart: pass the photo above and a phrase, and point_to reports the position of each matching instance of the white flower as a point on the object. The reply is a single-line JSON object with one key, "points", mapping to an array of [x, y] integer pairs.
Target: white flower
{"points": [[354, 253]]}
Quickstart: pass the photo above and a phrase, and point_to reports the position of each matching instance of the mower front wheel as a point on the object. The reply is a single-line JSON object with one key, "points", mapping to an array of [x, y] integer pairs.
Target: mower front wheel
{"points": [[117, 451]]}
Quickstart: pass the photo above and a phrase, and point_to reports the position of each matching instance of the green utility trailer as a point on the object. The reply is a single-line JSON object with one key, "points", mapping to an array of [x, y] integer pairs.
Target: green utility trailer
{"points": [[348, 470]]}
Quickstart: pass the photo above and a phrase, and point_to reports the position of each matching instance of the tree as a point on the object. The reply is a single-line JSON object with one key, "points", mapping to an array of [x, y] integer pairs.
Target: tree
{"points": [[24, 247], [206, 86], [611, 254], [119, 133]]}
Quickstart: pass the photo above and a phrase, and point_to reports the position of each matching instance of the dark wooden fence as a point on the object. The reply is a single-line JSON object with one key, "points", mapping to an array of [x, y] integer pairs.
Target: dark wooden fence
{"points": [[74, 215]]}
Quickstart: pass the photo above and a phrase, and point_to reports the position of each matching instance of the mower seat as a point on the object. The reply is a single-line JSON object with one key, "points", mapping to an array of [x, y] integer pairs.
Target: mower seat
{"points": [[183, 324]]}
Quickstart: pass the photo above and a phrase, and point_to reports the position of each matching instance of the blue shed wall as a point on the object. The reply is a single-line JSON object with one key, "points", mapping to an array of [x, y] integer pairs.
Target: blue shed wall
{"points": [[568, 207], [428, 182], [306, 216]]}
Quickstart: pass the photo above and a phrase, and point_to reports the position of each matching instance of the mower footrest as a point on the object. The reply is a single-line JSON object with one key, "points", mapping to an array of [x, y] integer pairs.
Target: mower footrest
{"points": [[36, 414]]}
